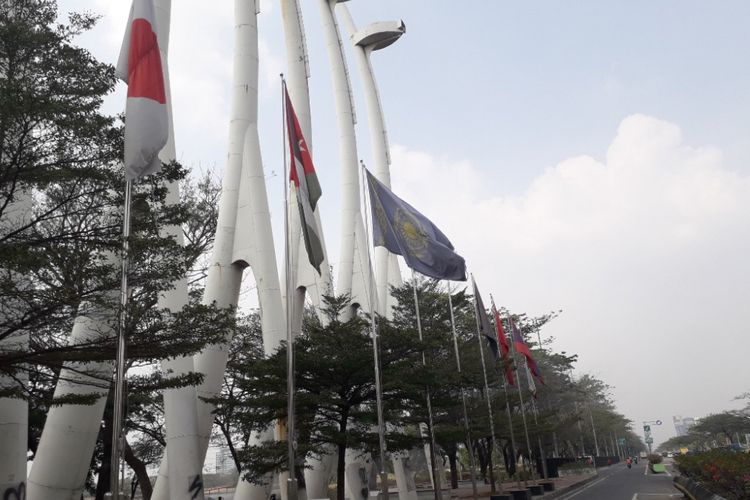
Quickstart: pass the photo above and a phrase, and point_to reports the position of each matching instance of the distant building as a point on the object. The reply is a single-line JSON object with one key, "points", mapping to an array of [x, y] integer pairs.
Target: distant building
{"points": [[682, 425], [224, 461]]}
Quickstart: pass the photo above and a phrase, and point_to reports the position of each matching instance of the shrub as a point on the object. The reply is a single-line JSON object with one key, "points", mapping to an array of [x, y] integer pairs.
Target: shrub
{"points": [[723, 472], [654, 458]]}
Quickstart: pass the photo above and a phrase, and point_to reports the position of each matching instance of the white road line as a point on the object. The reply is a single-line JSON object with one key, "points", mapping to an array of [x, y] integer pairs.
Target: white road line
{"points": [[645, 471], [583, 489], [635, 496]]}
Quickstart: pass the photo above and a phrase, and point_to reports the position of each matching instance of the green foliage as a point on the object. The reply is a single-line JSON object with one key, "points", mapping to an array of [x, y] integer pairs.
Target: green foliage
{"points": [[724, 473], [654, 458]]}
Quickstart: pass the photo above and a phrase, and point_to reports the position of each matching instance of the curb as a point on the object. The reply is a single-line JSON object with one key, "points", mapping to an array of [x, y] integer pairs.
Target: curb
{"points": [[693, 490], [571, 487]]}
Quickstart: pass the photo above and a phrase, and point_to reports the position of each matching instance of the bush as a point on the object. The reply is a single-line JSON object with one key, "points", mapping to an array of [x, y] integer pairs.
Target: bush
{"points": [[724, 473], [654, 458]]}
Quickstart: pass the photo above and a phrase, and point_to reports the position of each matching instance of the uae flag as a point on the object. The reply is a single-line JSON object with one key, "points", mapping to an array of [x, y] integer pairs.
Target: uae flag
{"points": [[140, 66], [504, 347], [520, 346], [302, 176]]}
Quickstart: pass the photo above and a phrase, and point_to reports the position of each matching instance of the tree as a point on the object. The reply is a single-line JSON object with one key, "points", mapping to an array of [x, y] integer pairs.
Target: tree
{"points": [[61, 154], [335, 392], [727, 424]]}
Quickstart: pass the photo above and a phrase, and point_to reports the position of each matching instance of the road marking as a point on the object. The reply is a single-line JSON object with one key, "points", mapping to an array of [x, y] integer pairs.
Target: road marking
{"points": [[635, 496], [645, 471], [583, 489]]}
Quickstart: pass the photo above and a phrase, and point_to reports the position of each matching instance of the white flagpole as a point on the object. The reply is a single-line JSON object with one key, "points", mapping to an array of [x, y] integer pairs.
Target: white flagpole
{"points": [[118, 438], [433, 445], [520, 396], [463, 398], [507, 405], [292, 479], [484, 373], [375, 350]]}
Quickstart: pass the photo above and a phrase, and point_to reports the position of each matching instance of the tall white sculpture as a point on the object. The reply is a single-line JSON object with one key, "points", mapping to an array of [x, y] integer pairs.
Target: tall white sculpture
{"points": [[353, 270], [180, 405], [14, 412], [63, 456], [319, 471], [354, 273], [243, 233], [375, 37]]}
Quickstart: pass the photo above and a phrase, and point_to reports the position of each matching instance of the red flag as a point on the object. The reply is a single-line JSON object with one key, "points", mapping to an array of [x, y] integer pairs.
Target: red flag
{"points": [[140, 66], [504, 347], [302, 175]]}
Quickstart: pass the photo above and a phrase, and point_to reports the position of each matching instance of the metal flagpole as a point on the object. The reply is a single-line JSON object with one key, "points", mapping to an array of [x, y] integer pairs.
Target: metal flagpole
{"points": [[463, 398], [292, 479], [520, 397], [538, 437], [484, 373], [119, 410], [507, 409], [376, 355], [433, 445]]}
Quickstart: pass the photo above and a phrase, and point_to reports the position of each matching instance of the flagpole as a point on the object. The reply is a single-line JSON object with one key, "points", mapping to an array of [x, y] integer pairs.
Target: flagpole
{"points": [[120, 372], [376, 357], [507, 409], [292, 479], [520, 397], [538, 435], [435, 476], [463, 398], [486, 384]]}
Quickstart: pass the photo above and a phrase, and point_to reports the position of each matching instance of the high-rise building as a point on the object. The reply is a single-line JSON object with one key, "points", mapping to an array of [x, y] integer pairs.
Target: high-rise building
{"points": [[682, 425]]}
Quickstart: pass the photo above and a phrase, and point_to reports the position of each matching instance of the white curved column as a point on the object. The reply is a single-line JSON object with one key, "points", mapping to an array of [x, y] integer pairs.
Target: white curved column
{"points": [[353, 270], [63, 457], [14, 412]]}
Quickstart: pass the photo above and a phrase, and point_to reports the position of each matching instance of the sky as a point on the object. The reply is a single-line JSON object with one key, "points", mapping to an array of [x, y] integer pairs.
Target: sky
{"points": [[587, 156]]}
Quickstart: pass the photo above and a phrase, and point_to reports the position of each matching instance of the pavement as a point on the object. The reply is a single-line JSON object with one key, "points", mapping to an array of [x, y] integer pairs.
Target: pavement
{"points": [[562, 485], [615, 482]]}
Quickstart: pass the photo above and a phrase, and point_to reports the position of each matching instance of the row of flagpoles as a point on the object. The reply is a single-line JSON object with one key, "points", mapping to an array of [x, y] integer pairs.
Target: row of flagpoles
{"points": [[396, 225]]}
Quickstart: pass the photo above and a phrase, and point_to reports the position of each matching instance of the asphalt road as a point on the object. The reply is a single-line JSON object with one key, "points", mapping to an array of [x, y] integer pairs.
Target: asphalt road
{"points": [[620, 483]]}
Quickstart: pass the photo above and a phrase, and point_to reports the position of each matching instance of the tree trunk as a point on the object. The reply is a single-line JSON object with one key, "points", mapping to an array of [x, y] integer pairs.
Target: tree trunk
{"points": [[139, 468], [103, 481], [341, 465], [489, 466], [453, 461]]}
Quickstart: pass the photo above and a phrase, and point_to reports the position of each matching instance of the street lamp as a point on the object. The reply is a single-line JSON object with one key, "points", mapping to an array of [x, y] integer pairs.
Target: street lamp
{"points": [[647, 431]]}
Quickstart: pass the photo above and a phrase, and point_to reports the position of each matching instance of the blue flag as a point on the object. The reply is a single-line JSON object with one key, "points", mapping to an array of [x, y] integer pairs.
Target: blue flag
{"points": [[402, 230]]}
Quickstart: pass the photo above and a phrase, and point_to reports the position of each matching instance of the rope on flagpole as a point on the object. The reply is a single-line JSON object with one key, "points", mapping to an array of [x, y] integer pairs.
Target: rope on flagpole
{"points": [[118, 437]]}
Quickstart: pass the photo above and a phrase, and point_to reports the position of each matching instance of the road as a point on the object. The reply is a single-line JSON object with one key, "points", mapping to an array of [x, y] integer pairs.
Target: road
{"points": [[620, 483]]}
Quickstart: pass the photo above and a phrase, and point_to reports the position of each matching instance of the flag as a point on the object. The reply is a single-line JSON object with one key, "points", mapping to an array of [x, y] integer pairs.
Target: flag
{"points": [[504, 347], [402, 230], [302, 175], [520, 346], [483, 321], [140, 66]]}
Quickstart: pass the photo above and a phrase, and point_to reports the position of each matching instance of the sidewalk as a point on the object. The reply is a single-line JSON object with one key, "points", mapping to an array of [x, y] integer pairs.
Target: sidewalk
{"points": [[562, 485]]}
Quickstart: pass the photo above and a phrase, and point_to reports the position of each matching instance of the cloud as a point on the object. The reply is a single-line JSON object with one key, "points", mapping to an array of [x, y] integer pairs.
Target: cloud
{"points": [[645, 251]]}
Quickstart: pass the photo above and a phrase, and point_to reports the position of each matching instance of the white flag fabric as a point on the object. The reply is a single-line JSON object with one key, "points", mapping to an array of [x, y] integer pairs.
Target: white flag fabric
{"points": [[139, 65]]}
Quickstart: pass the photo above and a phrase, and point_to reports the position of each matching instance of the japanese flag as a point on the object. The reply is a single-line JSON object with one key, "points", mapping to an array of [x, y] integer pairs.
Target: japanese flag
{"points": [[146, 123]]}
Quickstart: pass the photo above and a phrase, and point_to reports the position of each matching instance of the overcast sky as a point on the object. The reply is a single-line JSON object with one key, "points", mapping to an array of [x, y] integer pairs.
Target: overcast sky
{"points": [[586, 156]]}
